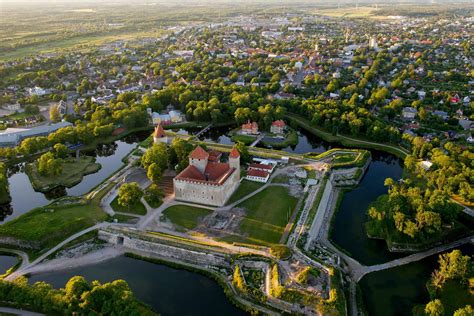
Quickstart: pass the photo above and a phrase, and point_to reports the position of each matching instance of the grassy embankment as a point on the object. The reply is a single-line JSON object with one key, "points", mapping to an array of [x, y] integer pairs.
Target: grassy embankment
{"points": [[73, 170], [185, 216], [346, 140], [45, 227]]}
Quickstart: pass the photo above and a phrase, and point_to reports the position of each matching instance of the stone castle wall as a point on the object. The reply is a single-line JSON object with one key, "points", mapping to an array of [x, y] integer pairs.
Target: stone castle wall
{"points": [[165, 251], [202, 193]]}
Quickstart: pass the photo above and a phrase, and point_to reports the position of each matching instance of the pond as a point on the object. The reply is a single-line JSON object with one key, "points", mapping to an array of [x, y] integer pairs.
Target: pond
{"points": [[25, 198], [6, 262], [396, 291], [168, 290]]}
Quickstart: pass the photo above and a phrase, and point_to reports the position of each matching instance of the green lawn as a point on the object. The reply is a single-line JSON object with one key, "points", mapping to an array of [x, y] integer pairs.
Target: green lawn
{"points": [[49, 225], [281, 179], [246, 187], [73, 172], [267, 214], [185, 216], [246, 139], [138, 208]]}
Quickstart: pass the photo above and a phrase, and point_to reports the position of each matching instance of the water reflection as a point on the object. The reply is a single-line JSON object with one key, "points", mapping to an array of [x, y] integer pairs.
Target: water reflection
{"points": [[25, 198], [169, 291], [349, 222]]}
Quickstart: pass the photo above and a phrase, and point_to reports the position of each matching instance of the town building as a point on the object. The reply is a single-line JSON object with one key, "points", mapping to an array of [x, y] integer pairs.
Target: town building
{"points": [[159, 136], [409, 113], [250, 128], [259, 172], [207, 180], [257, 175], [278, 127], [13, 136]]}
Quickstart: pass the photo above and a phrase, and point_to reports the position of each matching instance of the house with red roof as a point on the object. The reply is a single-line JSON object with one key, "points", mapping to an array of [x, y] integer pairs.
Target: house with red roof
{"points": [[278, 127], [159, 135], [207, 180], [259, 172], [250, 128]]}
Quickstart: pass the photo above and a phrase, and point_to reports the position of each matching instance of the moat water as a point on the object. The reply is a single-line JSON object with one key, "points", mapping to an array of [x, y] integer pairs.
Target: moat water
{"points": [[6, 262], [396, 291], [167, 290], [25, 198]]}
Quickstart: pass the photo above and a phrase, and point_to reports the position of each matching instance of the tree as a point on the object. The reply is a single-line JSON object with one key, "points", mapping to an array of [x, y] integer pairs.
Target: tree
{"points": [[129, 194], [48, 165], [157, 153], [243, 151], [454, 265], [237, 280], [54, 113], [434, 308], [465, 311], [153, 195], [60, 150], [154, 173]]}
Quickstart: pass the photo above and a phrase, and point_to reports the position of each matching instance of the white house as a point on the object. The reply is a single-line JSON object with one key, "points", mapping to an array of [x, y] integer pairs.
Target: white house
{"points": [[257, 175], [409, 113]]}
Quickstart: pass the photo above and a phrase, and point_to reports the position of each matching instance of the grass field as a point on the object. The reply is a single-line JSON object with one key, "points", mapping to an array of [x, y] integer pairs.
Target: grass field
{"points": [[351, 12], [246, 187], [185, 216], [73, 172], [49, 225], [267, 214], [138, 208]]}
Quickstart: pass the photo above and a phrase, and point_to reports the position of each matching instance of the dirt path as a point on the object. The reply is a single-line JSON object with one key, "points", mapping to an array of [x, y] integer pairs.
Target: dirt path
{"points": [[62, 263]]}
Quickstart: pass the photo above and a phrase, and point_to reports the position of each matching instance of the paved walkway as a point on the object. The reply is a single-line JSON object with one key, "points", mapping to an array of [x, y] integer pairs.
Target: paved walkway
{"points": [[15, 311]]}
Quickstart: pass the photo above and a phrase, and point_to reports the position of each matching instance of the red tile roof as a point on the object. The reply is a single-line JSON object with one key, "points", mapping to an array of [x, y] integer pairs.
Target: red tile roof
{"points": [[199, 153], [191, 173], [279, 123], [249, 125], [215, 173], [214, 156], [234, 153], [159, 132], [260, 166], [257, 173]]}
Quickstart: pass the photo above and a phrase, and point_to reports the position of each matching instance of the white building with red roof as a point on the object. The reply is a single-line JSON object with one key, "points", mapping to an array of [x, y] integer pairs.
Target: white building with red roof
{"points": [[159, 135], [207, 180], [250, 128], [278, 127], [257, 175], [259, 172]]}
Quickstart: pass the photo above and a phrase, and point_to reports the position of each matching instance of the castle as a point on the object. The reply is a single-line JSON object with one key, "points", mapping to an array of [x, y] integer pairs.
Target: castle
{"points": [[207, 180]]}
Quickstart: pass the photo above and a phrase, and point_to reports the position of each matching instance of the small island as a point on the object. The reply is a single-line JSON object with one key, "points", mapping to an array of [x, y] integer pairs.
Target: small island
{"points": [[65, 172]]}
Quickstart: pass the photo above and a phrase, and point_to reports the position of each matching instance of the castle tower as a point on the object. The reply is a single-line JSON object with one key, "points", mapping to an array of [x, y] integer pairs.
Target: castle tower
{"points": [[159, 136], [199, 158], [234, 160]]}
